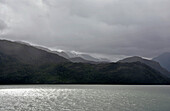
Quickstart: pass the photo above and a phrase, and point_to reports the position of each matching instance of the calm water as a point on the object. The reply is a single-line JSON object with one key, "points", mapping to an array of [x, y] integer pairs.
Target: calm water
{"points": [[84, 98]]}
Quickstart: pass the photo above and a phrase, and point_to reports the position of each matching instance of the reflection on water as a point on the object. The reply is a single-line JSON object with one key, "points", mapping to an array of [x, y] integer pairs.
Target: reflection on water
{"points": [[84, 98]]}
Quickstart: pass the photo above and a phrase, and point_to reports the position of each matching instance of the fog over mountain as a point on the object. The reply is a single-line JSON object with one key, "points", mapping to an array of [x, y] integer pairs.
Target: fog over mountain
{"points": [[106, 28]]}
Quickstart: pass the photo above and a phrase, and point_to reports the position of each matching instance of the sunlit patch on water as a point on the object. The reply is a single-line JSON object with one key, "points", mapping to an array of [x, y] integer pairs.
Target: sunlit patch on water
{"points": [[112, 98]]}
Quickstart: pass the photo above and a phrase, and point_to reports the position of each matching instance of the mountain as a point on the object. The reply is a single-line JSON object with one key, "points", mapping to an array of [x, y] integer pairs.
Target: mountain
{"points": [[21, 42], [164, 60], [25, 64], [105, 60], [43, 48], [28, 54], [74, 57], [90, 58], [62, 53], [153, 64], [81, 60], [15, 72], [72, 54], [87, 57]]}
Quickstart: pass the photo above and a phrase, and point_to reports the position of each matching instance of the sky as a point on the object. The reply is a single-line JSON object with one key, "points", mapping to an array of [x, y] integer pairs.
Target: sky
{"points": [[106, 28]]}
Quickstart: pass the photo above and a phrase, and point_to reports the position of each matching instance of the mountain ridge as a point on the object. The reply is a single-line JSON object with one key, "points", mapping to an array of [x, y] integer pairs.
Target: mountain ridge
{"points": [[164, 60], [29, 54], [25, 64], [153, 64]]}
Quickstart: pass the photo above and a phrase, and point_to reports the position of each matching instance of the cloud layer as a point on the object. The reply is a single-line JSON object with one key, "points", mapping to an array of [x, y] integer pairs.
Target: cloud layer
{"points": [[104, 27]]}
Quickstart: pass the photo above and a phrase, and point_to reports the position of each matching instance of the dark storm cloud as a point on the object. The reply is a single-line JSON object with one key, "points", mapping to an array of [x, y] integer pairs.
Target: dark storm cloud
{"points": [[108, 27]]}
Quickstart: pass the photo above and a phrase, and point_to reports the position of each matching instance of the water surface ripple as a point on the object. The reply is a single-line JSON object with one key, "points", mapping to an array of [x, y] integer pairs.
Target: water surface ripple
{"points": [[84, 98]]}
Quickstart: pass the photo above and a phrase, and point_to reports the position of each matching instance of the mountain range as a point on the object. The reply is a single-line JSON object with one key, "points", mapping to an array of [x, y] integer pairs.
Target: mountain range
{"points": [[75, 57], [22, 63]]}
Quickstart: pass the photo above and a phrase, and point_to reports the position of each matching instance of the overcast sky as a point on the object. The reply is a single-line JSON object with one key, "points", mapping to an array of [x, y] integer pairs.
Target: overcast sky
{"points": [[114, 28]]}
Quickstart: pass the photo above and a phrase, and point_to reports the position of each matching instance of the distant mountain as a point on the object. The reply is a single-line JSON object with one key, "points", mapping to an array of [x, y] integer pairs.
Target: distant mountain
{"points": [[81, 60], [153, 64], [28, 54], [72, 54], [90, 58], [74, 57], [87, 57], [105, 60], [164, 60]]}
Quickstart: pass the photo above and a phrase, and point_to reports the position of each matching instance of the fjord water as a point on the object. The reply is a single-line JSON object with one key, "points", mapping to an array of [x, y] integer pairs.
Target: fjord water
{"points": [[84, 98]]}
